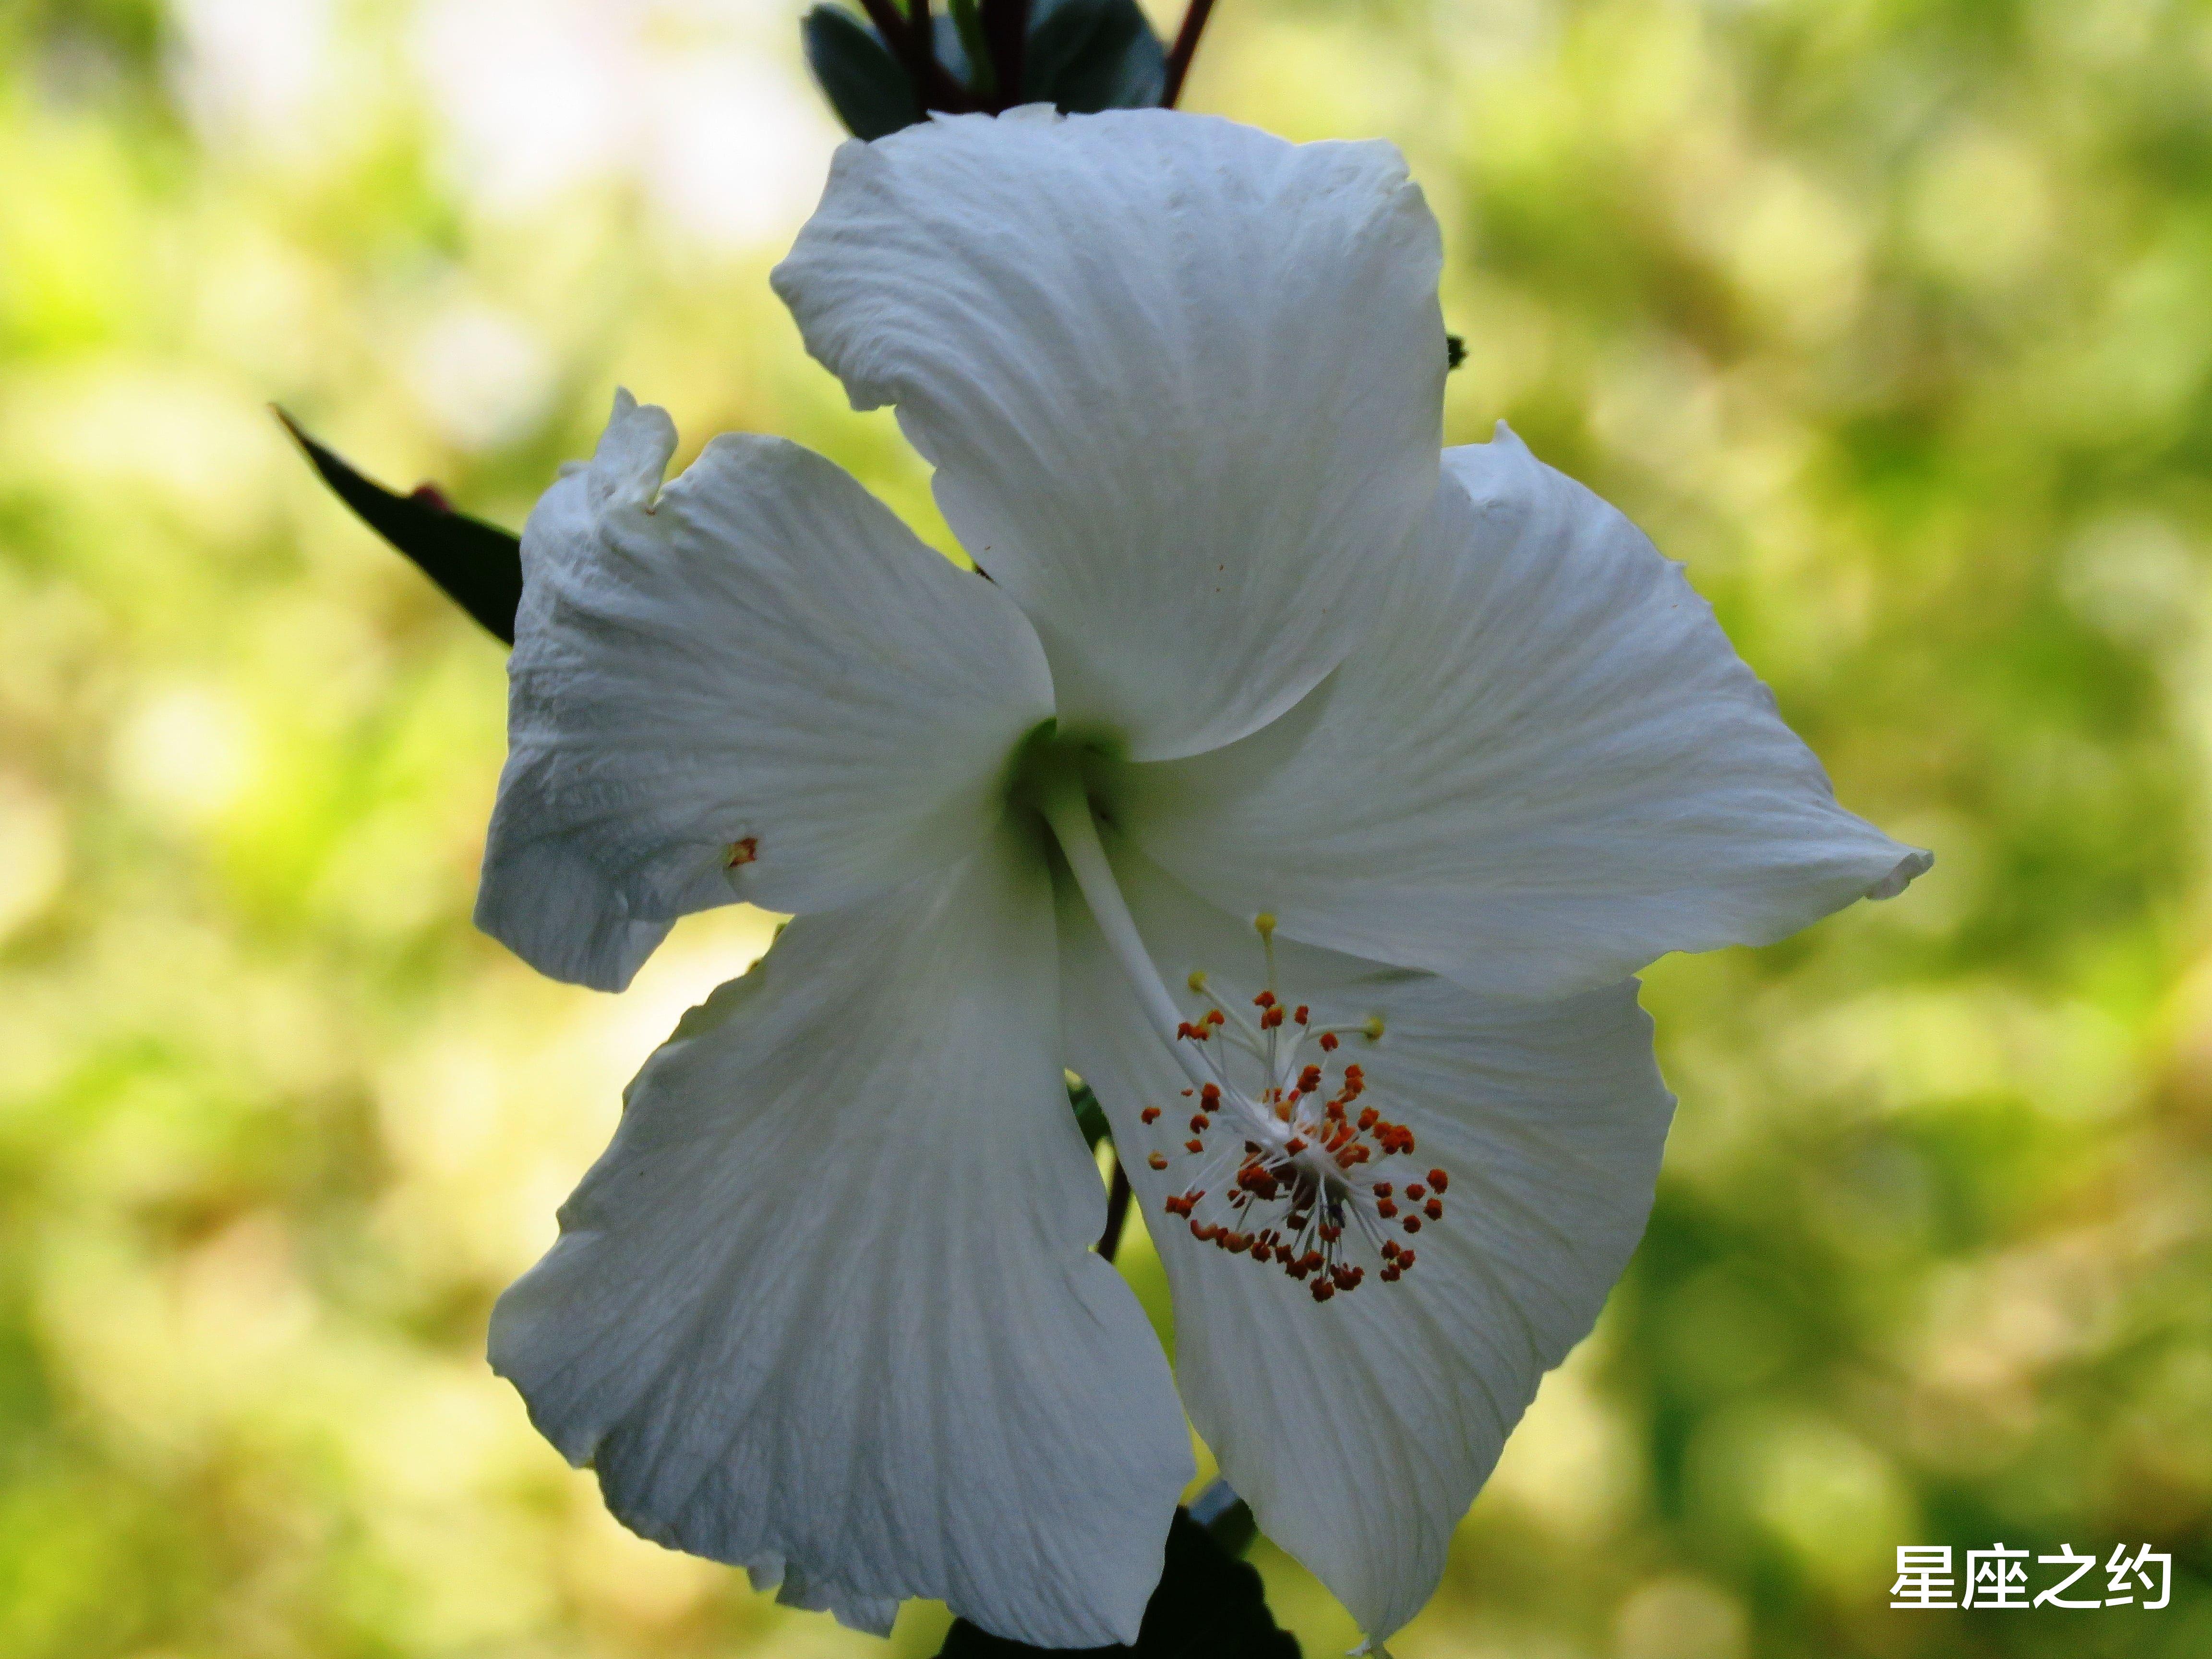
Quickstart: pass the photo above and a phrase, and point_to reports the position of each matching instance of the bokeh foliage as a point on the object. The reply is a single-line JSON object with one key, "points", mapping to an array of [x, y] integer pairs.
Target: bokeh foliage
{"points": [[1892, 318]]}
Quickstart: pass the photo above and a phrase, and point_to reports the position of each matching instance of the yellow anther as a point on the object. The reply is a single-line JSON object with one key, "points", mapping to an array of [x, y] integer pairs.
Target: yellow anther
{"points": [[1373, 1028], [1197, 980], [1265, 921]]}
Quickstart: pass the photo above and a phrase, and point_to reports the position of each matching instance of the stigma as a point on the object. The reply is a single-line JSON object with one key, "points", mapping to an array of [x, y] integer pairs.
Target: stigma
{"points": [[1286, 1163]]}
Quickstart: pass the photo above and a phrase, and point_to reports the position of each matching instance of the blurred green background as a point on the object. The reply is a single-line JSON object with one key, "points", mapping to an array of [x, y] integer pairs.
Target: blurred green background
{"points": [[1892, 318]]}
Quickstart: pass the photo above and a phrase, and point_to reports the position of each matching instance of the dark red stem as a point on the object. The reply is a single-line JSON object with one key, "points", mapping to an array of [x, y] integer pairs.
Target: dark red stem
{"points": [[1117, 1212], [1185, 47], [1006, 26], [920, 32], [913, 41]]}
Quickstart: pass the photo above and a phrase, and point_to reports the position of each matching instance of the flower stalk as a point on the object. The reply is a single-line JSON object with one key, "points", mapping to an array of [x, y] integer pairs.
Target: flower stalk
{"points": [[1185, 48]]}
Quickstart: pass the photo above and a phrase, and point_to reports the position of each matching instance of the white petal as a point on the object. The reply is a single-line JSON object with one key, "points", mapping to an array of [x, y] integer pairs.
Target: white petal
{"points": [[828, 1307], [763, 655], [1360, 1429], [1181, 380], [1544, 767]]}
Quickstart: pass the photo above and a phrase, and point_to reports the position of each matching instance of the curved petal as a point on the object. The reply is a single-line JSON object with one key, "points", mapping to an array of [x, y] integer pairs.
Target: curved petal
{"points": [[756, 684], [1359, 1429], [826, 1307], [1181, 380], [1545, 766]]}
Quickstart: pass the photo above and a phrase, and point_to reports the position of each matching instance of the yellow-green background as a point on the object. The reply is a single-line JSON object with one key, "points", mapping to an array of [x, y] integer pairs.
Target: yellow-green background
{"points": [[1892, 318]]}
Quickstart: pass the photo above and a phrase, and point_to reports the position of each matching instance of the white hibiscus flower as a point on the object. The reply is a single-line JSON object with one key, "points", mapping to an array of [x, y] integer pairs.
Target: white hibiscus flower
{"points": [[1468, 749]]}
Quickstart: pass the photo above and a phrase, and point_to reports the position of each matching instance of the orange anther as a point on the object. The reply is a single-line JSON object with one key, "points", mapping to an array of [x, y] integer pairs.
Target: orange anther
{"points": [[1299, 1013], [1215, 1017], [1412, 1224], [1199, 1124], [1193, 1145], [1434, 1209], [1150, 1114], [1158, 1160], [1385, 1207], [1209, 1094], [1323, 1290], [1382, 1189], [1296, 1146], [1309, 1081], [1389, 1249], [1369, 1117], [1438, 1180], [1405, 1258], [1265, 999], [1329, 1042], [1388, 1275], [1414, 1189], [742, 851]]}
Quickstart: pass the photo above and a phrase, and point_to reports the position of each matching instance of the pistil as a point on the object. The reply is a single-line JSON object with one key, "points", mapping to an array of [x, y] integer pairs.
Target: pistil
{"points": [[1068, 811], [1289, 1169]]}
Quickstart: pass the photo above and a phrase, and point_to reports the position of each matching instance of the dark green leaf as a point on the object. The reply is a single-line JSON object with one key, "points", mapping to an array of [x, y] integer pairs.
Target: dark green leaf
{"points": [[1209, 1606], [968, 23], [1089, 1116], [863, 83], [952, 49], [1089, 55], [479, 565], [1226, 1516]]}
